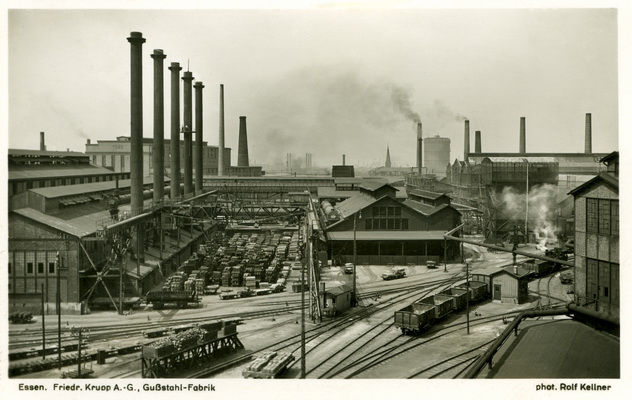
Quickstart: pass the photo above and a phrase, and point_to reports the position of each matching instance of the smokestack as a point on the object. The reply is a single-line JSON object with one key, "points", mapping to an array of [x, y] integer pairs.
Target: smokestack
{"points": [[159, 125], [343, 159], [419, 148], [588, 138], [87, 141], [136, 41], [220, 154], [42, 142], [477, 142], [523, 135], [466, 148], [175, 129], [242, 156], [197, 150], [188, 127]]}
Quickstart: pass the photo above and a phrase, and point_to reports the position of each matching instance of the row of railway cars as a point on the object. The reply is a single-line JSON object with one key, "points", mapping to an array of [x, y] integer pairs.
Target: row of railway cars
{"points": [[423, 313]]}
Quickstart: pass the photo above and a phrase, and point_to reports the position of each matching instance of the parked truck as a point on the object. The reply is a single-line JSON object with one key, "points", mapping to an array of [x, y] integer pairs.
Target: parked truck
{"points": [[180, 298], [396, 273]]}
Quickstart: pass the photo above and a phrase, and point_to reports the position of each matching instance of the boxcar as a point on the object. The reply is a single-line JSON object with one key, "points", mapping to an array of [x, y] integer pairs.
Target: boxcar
{"points": [[444, 304], [415, 317], [459, 297]]}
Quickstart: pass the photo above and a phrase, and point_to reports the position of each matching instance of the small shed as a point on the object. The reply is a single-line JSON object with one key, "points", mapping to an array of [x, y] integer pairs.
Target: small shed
{"points": [[507, 285], [337, 299]]}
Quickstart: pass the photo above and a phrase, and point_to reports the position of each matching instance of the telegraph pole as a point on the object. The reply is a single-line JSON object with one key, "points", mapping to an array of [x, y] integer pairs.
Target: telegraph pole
{"points": [[43, 326], [58, 307]]}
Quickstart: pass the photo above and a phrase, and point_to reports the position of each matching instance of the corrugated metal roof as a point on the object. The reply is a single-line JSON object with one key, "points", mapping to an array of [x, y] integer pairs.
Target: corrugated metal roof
{"points": [[424, 208], [82, 221], [22, 152], [551, 160], [427, 194], [55, 171], [386, 235], [354, 204], [373, 185], [86, 188], [330, 191]]}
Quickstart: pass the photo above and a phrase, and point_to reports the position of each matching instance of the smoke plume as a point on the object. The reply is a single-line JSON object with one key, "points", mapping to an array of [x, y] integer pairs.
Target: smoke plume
{"points": [[542, 207]]}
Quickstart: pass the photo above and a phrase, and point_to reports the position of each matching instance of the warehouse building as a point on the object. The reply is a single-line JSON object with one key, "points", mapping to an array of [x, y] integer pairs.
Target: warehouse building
{"points": [[388, 231]]}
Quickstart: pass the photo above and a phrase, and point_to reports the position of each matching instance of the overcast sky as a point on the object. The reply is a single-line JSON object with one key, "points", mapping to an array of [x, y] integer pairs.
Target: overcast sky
{"points": [[325, 81]]}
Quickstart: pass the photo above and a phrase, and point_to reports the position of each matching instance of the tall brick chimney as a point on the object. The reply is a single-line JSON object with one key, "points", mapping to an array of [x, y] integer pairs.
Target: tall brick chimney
{"points": [[159, 125], [175, 69], [242, 155]]}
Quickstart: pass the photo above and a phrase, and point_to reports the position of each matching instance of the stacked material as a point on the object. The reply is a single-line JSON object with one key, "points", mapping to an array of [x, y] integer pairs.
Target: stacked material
{"points": [[268, 365]]}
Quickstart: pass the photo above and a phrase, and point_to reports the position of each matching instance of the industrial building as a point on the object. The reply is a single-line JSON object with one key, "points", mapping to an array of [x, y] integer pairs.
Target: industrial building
{"points": [[597, 243], [436, 155], [481, 180], [384, 230]]}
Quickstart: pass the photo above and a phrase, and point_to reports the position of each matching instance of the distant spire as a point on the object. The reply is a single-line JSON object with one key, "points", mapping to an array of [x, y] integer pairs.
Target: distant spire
{"points": [[387, 164]]}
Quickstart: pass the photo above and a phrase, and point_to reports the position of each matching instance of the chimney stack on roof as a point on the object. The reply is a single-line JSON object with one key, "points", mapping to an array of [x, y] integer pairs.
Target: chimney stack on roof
{"points": [[588, 138], [523, 135]]}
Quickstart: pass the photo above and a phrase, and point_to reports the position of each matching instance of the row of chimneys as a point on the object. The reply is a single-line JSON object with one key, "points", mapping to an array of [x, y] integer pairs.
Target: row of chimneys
{"points": [[191, 154], [523, 139]]}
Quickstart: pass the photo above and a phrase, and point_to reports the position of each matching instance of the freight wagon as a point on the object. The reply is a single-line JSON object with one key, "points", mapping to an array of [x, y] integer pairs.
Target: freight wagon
{"points": [[180, 298], [538, 267], [459, 297], [425, 312]]}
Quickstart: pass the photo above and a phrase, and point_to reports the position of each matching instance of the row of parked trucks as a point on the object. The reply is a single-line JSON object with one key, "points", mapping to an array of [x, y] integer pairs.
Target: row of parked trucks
{"points": [[261, 262]]}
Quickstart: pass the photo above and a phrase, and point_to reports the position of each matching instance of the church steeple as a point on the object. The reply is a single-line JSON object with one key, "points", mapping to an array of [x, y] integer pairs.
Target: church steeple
{"points": [[387, 164]]}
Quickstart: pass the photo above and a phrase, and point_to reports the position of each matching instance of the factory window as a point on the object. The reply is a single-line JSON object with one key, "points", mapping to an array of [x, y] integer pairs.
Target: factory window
{"points": [[123, 162], [51, 267], [591, 279], [391, 224], [19, 263], [9, 268], [40, 268], [604, 216], [604, 281], [94, 159], [614, 283], [112, 160], [103, 160], [614, 221], [591, 216], [29, 268]]}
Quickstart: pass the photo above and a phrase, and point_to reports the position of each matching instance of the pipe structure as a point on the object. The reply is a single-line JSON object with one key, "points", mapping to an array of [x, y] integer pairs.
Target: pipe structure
{"points": [[498, 248], [477, 142], [197, 149], [188, 131], [175, 69], [523, 135], [136, 41], [588, 136], [42, 142], [220, 154], [159, 125], [242, 153], [419, 148], [466, 147]]}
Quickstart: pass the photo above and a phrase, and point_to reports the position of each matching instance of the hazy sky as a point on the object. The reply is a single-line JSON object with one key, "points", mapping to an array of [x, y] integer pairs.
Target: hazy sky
{"points": [[325, 81]]}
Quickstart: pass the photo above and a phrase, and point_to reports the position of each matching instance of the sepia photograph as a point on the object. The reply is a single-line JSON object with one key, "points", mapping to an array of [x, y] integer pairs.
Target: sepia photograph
{"points": [[203, 195]]}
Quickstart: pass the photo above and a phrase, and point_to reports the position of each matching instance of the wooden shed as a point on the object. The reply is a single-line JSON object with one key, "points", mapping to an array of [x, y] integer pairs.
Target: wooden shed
{"points": [[337, 299], [506, 285]]}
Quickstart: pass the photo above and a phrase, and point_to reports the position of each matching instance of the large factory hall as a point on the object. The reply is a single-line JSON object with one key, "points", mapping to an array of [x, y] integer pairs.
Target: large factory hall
{"points": [[195, 248]]}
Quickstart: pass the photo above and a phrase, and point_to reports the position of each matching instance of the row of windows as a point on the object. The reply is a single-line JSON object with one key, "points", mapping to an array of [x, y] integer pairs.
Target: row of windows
{"points": [[602, 281], [19, 187], [396, 224], [34, 263], [387, 212], [602, 216]]}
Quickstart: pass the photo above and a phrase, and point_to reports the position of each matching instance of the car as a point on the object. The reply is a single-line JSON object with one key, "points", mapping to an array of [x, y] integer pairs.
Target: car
{"points": [[431, 264], [349, 268]]}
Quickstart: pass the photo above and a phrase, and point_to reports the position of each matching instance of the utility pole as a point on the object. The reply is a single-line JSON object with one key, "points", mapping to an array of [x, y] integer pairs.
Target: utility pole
{"points": [[467, 298], [43, 326], [58, 307], [308, 249]]}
